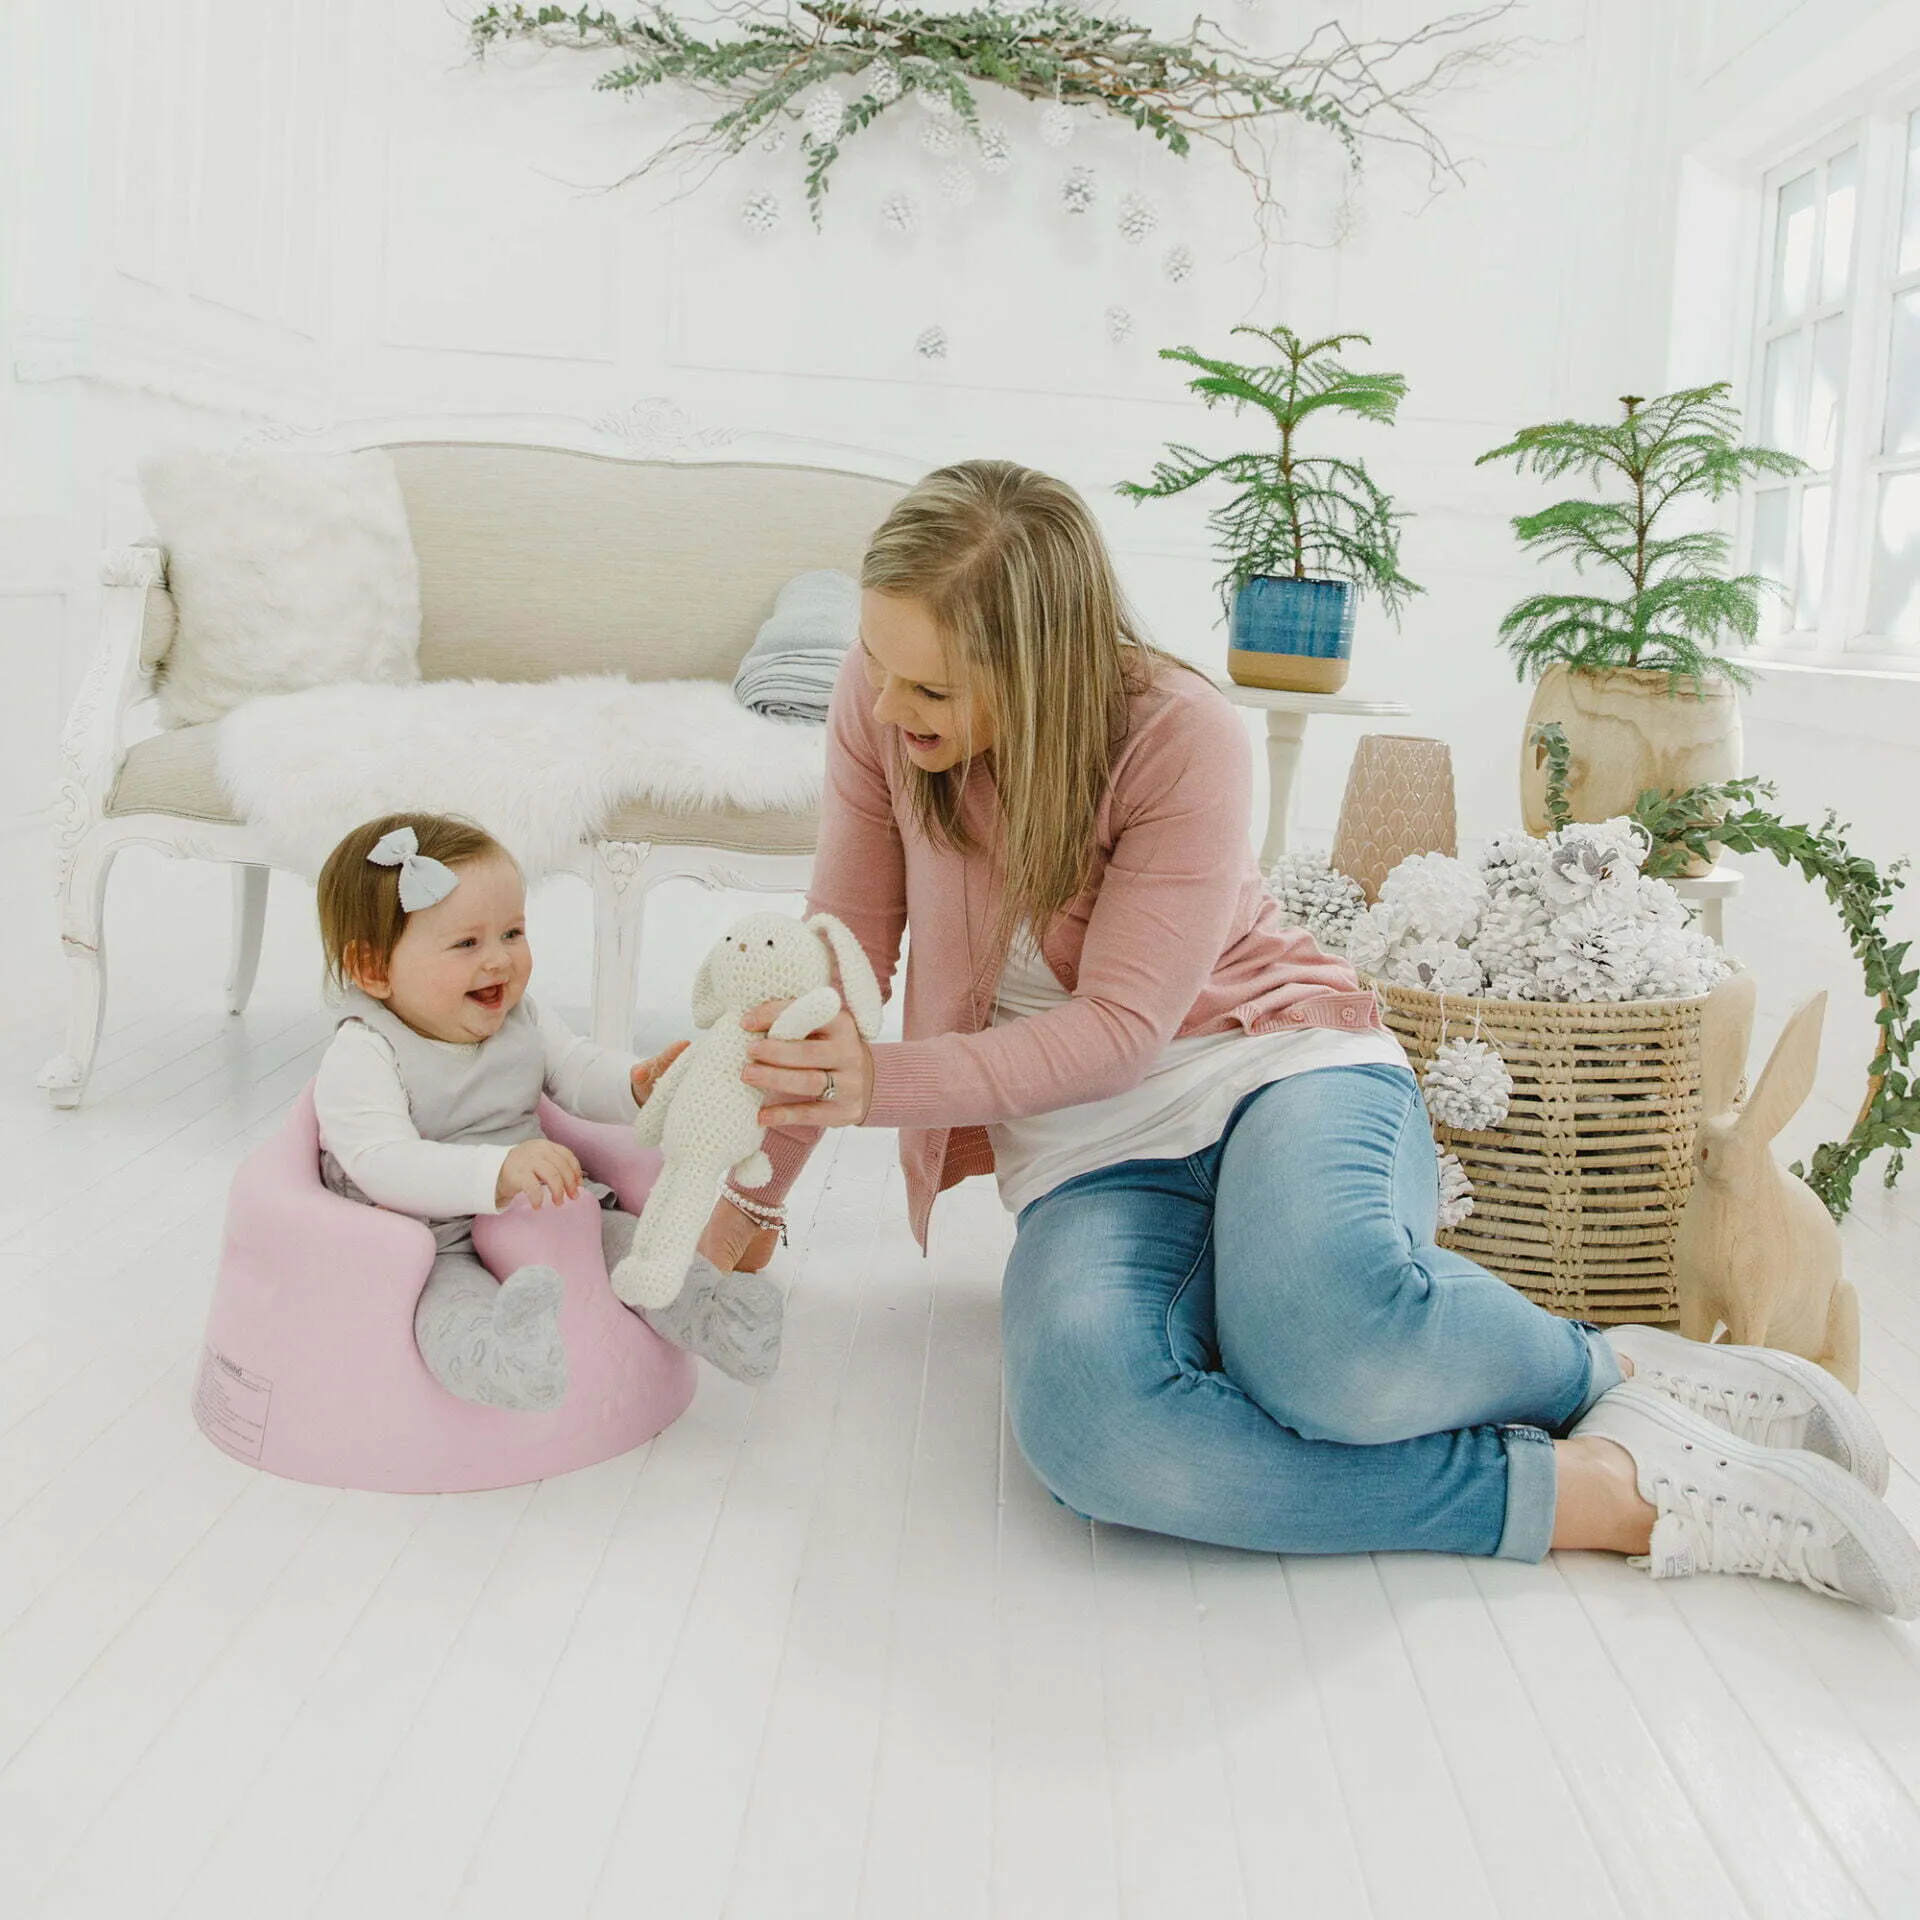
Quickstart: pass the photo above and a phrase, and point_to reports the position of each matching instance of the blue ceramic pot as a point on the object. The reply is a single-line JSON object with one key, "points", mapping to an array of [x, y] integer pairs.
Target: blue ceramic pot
{"points": [[1296, 635]]}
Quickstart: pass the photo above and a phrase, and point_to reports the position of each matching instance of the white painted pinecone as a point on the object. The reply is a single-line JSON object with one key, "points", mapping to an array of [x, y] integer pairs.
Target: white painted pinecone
{"points": [[1314, 895], [1441, 898], [1078, 190], [1592, 857], [996, 147], [825, 114], [1468, 1086], [1375, 933], [1456, 1190], [1435, 966], [1513, 858]]}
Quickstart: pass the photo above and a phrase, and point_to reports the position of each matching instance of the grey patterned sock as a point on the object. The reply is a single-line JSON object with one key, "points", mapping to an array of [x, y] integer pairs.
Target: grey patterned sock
{"points": [[491, 1342], [730, 1319]]}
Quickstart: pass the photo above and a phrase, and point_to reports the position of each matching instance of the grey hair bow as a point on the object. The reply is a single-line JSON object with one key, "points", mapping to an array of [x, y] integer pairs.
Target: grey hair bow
{"points": [[423, 881]]}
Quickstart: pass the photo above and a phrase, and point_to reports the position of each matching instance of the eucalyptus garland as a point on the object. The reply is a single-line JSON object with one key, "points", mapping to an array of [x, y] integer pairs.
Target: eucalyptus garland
{"points": [[1691, 825], [1201, 86]]}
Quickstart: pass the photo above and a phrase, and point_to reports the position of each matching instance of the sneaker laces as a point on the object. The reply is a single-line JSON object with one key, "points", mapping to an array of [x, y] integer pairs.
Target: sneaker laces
{"points": [[1750, 1414], [1734, 1536]]}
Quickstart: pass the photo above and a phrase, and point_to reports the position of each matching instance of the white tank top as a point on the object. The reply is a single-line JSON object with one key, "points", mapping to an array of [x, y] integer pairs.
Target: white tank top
{"points": [[1181, 1106]]}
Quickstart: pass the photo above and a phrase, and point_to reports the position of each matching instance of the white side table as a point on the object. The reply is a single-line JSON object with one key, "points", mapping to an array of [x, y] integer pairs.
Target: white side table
{"points": [[1713, 890], [1286, 729]]}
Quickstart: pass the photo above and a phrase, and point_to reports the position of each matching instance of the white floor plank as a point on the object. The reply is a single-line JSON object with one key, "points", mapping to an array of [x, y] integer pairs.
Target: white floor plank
{"points": [[1292, 1821], [929, 1844], [1771, 1845], [1659, 1858], [1533, 1840], [1417, 1846]]}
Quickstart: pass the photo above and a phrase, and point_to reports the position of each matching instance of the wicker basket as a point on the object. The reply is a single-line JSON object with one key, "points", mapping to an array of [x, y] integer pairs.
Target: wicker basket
{"points": [[1577, 1193]]}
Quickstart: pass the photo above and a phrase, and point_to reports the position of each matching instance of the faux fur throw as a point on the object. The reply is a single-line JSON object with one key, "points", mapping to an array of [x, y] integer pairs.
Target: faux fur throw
{"points": [[540, 765]]}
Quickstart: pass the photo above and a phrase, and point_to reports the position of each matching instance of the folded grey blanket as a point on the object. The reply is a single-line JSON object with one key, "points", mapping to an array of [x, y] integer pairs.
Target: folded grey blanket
{"points": [[790, 669]]}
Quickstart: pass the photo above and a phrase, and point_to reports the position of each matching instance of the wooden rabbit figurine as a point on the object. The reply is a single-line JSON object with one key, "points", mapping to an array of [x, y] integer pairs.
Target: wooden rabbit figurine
{"points": [[1755, 1249]]}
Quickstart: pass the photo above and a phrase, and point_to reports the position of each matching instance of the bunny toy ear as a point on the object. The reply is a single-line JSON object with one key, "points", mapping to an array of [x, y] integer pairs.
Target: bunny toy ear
{"points": [[1787, 1078], [706, 993], [858, 988], [1726, 1032]]}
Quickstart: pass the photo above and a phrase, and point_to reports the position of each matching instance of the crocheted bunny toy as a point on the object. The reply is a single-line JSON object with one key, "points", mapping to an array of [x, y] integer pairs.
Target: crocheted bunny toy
{"points": [[701, 1113]]}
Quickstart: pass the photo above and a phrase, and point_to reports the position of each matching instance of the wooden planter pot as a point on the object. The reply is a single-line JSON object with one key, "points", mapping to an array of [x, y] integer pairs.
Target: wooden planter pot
{"points": [[1626, 732]]}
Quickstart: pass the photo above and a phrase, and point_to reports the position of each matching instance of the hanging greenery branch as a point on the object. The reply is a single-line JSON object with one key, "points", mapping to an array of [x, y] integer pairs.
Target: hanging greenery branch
{"points": [[1204, 86], [1691, 825]]}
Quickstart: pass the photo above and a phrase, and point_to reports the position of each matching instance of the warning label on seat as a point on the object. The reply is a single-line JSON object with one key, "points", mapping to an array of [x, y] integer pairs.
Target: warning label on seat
{"points": [[231, 1405]]}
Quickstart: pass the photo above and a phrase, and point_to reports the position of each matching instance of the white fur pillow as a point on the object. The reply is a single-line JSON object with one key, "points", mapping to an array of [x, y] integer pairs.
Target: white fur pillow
{"points": [[290, 570]]}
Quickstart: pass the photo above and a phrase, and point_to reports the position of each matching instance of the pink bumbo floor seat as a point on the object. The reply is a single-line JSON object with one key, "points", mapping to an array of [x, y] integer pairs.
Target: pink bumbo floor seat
{"points": [[311, 1370]]}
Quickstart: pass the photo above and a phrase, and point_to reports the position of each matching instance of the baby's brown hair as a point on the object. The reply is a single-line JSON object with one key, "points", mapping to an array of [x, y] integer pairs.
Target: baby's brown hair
{"points": [[359, 901]]}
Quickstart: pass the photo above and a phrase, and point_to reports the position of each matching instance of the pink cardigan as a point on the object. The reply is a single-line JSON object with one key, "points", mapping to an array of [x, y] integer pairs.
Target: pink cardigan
{"points": [[1175, 936]]}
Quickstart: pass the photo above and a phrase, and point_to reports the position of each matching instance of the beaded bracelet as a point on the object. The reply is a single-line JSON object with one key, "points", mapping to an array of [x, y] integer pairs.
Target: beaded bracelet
{"points": [[771, 1218]]}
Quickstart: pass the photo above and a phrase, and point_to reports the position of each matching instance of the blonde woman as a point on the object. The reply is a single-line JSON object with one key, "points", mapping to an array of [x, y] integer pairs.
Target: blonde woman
{"points": [[1225, 1316]]}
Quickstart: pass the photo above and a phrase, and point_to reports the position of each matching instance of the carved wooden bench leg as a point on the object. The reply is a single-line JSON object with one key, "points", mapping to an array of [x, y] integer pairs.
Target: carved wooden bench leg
{"points": [[619, 914], [83, 895], [249, 922]]}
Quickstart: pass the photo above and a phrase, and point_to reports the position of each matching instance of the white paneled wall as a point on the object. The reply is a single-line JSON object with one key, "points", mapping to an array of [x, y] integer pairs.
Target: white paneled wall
{"points": [[283, 213], [1759, 82]]}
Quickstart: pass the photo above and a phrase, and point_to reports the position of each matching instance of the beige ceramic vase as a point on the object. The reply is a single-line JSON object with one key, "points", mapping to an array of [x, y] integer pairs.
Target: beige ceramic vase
{"points": [[1399, 800], [1625, 733]]}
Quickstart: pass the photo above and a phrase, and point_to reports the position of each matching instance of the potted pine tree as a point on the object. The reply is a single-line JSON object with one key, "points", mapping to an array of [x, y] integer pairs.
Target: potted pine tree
{"points": [[1639, 680], [1304, 535]]}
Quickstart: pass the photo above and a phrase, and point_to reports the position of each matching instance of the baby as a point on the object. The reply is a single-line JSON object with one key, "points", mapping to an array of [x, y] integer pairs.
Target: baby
{"points": [[428, 1098]]}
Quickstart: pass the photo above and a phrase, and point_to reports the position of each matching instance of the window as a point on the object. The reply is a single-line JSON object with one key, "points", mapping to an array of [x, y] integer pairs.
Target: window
{"points": [[1836, 379]]}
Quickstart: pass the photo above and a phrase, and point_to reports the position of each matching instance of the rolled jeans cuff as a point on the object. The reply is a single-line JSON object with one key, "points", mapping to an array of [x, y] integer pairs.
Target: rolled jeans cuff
{"points": [[1531, 1493]]}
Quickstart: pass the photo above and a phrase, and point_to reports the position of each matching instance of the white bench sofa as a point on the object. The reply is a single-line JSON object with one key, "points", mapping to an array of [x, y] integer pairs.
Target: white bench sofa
{"points": [[534, 562]]}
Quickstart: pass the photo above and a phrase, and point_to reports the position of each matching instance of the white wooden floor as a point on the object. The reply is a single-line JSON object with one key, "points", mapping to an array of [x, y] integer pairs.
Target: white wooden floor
{"points": [[821, 1650]]}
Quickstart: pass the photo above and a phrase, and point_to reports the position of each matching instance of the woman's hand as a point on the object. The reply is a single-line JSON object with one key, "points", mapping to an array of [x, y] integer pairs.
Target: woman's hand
{"points": [[734, 1243], [646, 1074], [793, 1074]]}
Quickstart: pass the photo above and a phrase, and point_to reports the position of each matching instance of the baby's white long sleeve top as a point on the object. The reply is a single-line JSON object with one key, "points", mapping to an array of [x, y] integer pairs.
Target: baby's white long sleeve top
{"points": [[366, 1122]]}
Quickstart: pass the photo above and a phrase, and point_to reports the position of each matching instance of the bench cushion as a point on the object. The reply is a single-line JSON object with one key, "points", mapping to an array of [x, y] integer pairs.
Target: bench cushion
{"points": [[174, 773], [538, 561]]}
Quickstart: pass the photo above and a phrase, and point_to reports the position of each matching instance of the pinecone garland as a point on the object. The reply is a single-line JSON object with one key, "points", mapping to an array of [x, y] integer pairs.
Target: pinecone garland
{"points": [[1177, 263], [996, 147], [1078, 190], [760, 212], [1136, 218], [1467, 1086], [885, 83], [932, 344], [1456, 1190], [899, 213], [825, 115], [1119, 324], [938, 136], [1057, 124]]}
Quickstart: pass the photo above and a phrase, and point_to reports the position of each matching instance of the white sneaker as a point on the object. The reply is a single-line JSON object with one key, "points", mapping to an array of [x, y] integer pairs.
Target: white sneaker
{"points": [[1774, 1399], [1726, 1505]]}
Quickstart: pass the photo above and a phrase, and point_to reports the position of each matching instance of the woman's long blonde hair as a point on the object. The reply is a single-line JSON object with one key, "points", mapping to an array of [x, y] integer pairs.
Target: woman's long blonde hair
{"points": [[1013, 570]]}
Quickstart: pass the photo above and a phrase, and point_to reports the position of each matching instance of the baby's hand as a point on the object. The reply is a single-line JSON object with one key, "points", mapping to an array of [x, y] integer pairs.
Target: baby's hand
{"points": [[539, 1169], [646, 1076]]}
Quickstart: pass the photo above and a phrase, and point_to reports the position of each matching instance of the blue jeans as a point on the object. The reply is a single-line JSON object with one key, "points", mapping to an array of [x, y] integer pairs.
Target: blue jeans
{"points": [[1261, 1345]]}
